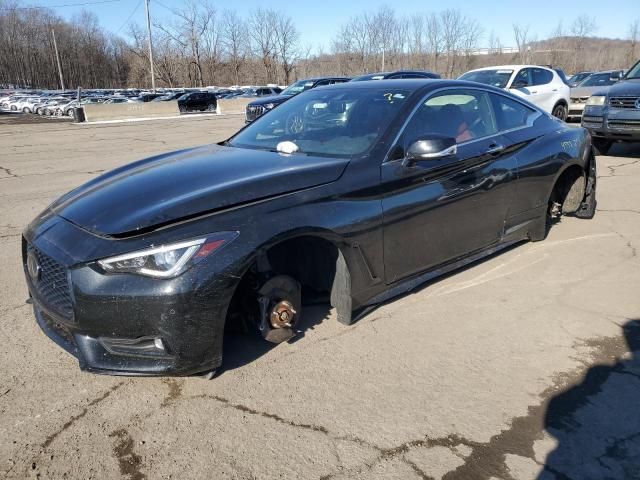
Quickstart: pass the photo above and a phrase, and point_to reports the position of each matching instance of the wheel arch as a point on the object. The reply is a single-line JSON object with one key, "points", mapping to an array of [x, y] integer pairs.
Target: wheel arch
{"points": [[316, 257]]}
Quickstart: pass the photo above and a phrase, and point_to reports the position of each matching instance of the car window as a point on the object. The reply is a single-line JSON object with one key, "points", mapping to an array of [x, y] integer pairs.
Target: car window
{"points": [[461, 114], [496, 78], [523, 77], [338, 80], [541, 76], [327, 122], [510, 113], [598, 80], [322, 83]]}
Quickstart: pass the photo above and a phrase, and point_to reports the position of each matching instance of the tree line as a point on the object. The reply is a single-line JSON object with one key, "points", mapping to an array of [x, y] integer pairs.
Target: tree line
{"points": [[200, 45]]}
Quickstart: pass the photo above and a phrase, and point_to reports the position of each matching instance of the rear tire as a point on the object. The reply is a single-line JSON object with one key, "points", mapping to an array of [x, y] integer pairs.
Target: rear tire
{"points": [[560, 112], [602, 146]]}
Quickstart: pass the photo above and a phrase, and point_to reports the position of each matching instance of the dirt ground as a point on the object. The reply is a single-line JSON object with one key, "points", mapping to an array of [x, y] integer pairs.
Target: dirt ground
{"points": [[522, 366]]}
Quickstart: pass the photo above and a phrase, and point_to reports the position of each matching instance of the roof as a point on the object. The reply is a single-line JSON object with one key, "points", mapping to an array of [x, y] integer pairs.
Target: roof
{"points": [[509, 67]]}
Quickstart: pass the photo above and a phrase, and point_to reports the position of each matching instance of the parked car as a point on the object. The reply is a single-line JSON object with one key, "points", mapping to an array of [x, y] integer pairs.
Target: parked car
{"points": [[112, 100], [198, 102], [394, 75], [574, 80], [541, 86], [67, 109], [612, 114], [594, 82], [141, 270], [259, 107]]}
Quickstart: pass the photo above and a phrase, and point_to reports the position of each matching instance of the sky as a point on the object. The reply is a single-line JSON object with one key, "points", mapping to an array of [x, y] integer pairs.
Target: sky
{"points": [[319, 20]]}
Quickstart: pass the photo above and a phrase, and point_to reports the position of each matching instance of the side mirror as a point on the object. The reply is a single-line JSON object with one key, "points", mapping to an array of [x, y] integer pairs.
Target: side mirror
{"points": [[519, 84], [435, 148]]}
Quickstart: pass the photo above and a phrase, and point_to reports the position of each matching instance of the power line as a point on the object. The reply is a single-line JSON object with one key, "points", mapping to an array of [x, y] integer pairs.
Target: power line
{"points": [[60, 6], [130, 16]]}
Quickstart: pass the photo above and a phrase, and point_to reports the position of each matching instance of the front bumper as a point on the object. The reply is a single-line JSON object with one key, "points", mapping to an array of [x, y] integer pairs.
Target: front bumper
{"points": [[612, 124], [575, 110], [122, 324]]}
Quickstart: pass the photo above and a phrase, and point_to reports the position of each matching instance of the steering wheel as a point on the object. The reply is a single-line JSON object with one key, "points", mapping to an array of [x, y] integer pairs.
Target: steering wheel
{"points": [[295, 123]]}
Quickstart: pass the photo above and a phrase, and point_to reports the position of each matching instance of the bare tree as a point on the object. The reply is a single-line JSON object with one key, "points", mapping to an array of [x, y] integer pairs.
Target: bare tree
{"points": [[634, 37], [235, 41], [262, 30], [434, 38], [521, 36], [582, 27], [287, 38]]}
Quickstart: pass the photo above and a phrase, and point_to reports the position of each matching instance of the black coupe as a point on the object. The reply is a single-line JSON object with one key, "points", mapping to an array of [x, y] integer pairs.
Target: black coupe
{"points": [[358, 192]]}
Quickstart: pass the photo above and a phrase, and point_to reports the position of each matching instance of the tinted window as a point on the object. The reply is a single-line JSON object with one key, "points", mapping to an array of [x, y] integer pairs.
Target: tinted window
{"points": [[322, 83], [495, 78], [338, 80], [460, 114], [509, 113], [598, 80], [524, 77], [541, 76]]}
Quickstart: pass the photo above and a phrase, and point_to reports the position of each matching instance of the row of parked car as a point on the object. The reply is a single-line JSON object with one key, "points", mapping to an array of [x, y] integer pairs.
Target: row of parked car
{"points": [[63, 104]]}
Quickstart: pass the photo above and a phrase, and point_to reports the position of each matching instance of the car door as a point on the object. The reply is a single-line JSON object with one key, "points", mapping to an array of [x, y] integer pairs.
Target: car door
{"points": [[546, 89], [438, 210], [523, 85]]}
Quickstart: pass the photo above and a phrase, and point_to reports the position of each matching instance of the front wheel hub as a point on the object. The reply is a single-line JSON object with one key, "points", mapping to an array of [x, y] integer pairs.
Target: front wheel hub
{"points": [[282, 314]]}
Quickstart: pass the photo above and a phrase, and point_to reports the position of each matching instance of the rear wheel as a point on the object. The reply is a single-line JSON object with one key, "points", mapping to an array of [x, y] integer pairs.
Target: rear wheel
{"points": [[602, 145], [560, 112], [183, 109], [26, 110]]}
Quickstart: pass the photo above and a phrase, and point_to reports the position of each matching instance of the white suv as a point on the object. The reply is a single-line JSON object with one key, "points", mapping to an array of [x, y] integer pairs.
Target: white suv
{"points": [[540, 85]]}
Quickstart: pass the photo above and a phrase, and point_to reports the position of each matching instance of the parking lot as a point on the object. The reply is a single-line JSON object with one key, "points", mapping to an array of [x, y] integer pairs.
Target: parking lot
{"points": [[518, 367]]}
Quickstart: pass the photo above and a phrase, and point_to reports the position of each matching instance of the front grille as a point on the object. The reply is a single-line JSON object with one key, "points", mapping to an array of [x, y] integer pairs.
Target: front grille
{"points": [[623, 102], [624, 124], [52, 284], [253, 112]]}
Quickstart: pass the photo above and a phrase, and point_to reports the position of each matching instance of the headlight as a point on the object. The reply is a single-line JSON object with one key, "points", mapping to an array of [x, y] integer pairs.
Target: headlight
{"points": [[597, 100], [168, 260], [269, 106]]}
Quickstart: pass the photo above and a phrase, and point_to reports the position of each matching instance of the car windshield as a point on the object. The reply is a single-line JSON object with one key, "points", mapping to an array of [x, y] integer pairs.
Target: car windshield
{"points": [[334, 122], [634, 72], [295, 88], [597, 80], [495, 78]]}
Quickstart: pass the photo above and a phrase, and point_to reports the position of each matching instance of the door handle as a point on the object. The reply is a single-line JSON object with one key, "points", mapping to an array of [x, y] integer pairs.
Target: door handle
{"points": [[534, 91], [554, 90], [495, 148]]}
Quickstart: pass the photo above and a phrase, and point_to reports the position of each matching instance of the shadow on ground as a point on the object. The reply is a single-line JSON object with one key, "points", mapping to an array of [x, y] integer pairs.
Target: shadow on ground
{"points": [[597, 422]]}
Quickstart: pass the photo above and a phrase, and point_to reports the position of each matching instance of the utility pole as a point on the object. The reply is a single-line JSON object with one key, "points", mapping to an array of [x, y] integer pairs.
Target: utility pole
{"points": [[153, 77], [55, 47]]}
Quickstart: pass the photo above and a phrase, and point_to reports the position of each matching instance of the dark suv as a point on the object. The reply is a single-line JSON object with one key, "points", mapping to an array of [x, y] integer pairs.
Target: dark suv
{"points": [[258, 107], [396, 75], [613, 114], [197, 102]]}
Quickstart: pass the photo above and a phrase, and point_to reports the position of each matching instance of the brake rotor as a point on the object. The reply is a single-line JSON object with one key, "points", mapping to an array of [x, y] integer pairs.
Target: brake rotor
{"points": [[282, 314]]}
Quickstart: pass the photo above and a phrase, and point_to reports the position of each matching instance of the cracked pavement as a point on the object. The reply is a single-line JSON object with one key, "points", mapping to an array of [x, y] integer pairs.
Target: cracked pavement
{"points": [[519, 367]]}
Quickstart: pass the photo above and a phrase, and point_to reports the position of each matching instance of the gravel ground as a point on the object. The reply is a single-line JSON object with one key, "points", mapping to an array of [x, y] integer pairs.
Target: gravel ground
{"points": [[519, 367]]}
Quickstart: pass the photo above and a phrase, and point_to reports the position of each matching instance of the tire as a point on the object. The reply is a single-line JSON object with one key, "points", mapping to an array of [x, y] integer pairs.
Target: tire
{"points": [[182, 109], [560, 112], [13, 108], [70, 113], [26, 110], [602, 146], [211, 107]]}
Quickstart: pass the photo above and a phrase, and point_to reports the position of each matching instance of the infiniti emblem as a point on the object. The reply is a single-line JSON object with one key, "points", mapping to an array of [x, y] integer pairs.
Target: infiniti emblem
{"points": [[33, 267], [638, 103]]}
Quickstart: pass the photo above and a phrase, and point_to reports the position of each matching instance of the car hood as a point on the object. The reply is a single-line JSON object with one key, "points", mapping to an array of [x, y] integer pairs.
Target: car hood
{"points": [[586, 91], [277, 99], [180, 185], [623, 88]]}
